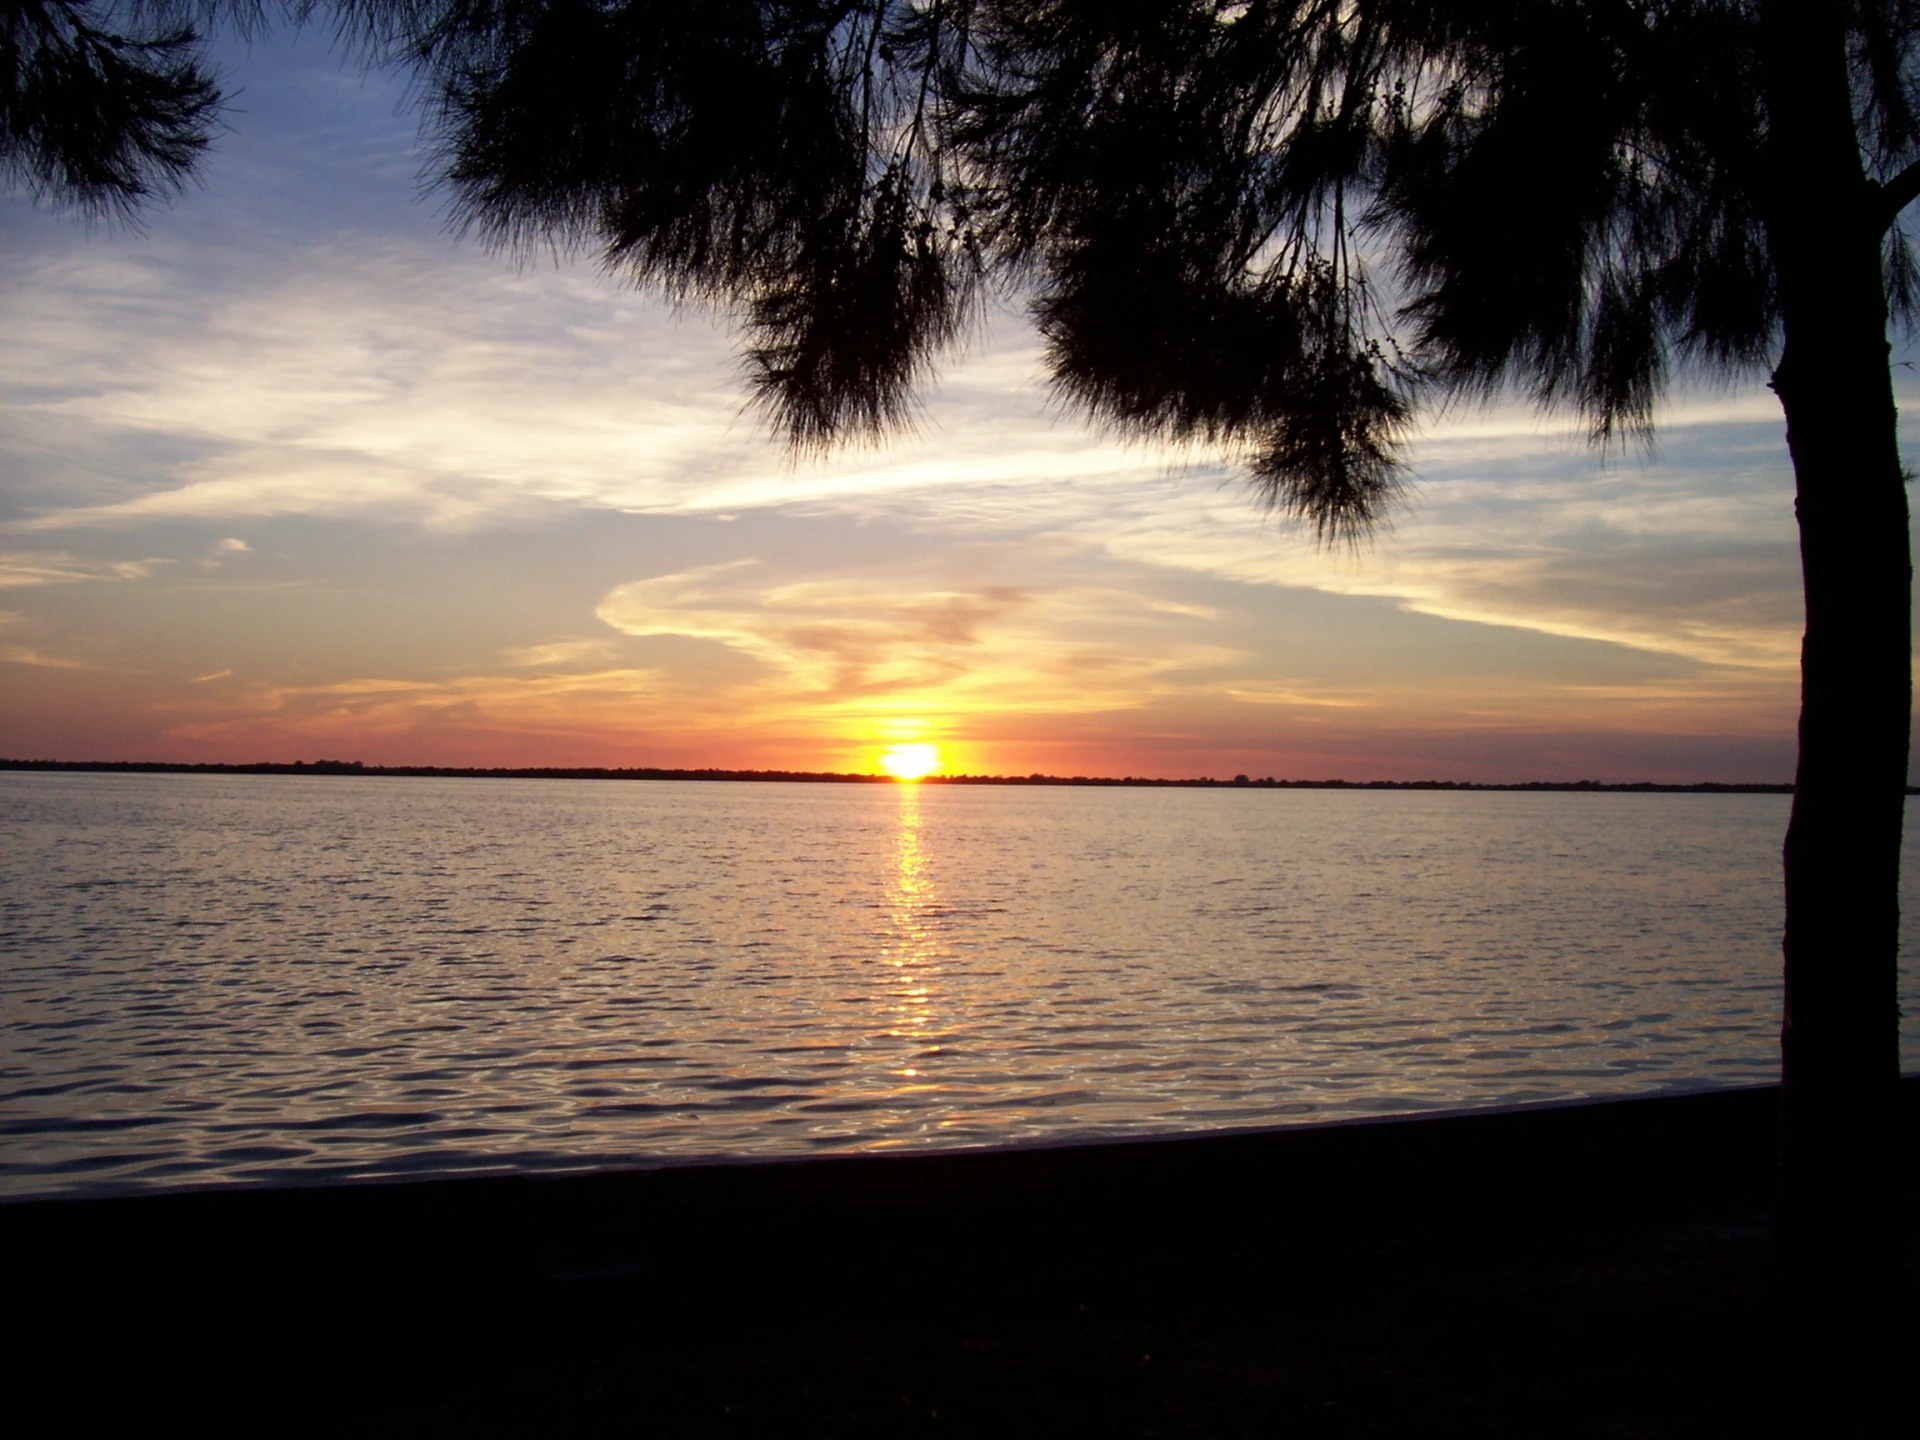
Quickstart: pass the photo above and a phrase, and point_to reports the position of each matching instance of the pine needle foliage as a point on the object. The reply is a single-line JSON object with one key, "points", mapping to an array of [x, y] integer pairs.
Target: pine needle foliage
{"points": [[1274, 227], [104, 107]]}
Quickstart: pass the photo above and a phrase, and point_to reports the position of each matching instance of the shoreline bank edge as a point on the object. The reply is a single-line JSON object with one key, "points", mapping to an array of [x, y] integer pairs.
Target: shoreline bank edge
{"points": [[1468, 1176]]}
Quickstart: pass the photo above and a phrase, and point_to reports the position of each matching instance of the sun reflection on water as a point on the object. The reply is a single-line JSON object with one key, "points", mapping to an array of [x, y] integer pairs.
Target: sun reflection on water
{"points": [[909, 949]]}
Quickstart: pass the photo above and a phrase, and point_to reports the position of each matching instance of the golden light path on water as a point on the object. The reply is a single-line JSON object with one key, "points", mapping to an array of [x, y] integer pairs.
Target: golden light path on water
{"points": [[909, 949]]}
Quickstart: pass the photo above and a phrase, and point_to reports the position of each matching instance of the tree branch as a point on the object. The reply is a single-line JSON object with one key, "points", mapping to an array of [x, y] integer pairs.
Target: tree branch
{"points": [[1898, 193]]}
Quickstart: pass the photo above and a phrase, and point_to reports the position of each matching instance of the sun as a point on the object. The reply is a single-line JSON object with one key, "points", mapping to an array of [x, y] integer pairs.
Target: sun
{"points": [[910, 762]]}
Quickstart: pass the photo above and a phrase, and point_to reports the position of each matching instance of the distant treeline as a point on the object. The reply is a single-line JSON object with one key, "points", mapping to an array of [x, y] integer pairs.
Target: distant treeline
{"points": [[647, 772]]}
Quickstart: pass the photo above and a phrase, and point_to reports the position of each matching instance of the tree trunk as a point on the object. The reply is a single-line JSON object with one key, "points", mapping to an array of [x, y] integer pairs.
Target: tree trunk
{"points": [[1840, 1037]]}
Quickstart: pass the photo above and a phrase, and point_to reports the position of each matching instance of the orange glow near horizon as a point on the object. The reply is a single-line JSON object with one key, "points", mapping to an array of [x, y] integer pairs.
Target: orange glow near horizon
{"points": [[910, 762]]}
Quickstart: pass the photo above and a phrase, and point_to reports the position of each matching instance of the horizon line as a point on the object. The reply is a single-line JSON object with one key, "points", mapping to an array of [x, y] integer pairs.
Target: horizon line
{"points": [[718, 773]]}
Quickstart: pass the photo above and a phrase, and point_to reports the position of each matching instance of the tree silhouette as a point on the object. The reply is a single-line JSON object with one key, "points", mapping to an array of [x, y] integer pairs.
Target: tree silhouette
{"points": [[103, 106], [1279, 226]]}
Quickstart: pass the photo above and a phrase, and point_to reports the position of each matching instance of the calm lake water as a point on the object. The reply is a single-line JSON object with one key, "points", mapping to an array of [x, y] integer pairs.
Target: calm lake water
{"points": [[232, 978]]}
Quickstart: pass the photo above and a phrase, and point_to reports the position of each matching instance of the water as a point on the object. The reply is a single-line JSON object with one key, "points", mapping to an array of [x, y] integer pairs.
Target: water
{"points": [[233, 978]]}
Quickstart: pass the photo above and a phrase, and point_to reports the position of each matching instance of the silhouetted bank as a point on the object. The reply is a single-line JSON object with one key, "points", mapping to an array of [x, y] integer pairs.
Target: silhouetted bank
{"points": [[827, 777], [1592, 1268]]}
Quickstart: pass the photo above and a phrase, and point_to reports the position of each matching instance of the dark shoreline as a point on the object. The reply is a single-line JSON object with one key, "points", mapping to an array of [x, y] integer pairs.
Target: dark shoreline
{"points": [[1588, 1268], [466, 772], [1663, 1131]]}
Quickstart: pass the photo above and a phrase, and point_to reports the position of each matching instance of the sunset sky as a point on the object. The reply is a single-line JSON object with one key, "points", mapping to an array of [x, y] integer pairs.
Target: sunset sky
{"points": [[295, 473]]}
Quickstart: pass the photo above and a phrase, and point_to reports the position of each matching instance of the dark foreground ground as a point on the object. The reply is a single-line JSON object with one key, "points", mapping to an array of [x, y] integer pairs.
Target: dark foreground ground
{"points": [[1597, 1270]]}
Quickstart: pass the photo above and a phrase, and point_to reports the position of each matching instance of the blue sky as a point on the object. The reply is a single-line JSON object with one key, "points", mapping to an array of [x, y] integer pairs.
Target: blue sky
{"points": [[293, 471]]}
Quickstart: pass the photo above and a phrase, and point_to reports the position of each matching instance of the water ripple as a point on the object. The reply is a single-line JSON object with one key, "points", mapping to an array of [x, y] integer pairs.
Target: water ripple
{"points": [[274, 979]]}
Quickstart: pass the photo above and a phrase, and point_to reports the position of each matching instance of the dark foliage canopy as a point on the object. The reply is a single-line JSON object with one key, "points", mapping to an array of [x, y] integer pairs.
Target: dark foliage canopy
{"points": [[103, 106], [1273, 226]]}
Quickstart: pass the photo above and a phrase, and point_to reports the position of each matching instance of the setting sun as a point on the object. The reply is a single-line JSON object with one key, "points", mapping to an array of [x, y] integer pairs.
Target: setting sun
{"points": [[910, 762]]}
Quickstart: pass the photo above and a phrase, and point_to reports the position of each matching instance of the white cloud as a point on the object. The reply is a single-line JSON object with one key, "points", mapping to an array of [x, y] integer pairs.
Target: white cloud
{"points": [[20, 568], [405, 380]]}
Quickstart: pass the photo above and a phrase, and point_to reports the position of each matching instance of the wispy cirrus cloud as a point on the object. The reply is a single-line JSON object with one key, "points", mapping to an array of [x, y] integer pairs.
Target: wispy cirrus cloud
{"points": [[892, 640], [403, 381], [20, 568]]}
